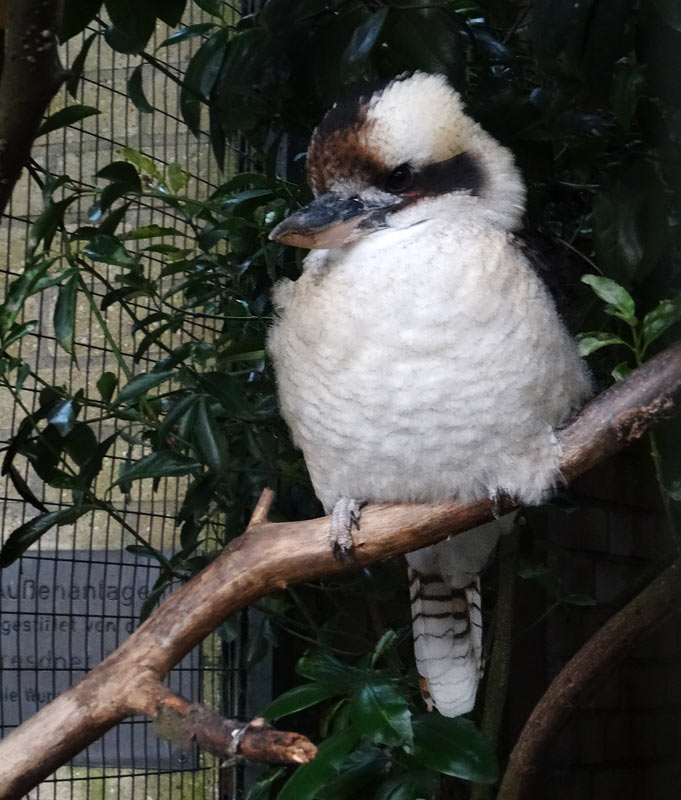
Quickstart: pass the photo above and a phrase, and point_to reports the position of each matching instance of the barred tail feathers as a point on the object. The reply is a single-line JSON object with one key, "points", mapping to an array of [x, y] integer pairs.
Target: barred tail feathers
{"points": [[447, 621], [447, 641]]}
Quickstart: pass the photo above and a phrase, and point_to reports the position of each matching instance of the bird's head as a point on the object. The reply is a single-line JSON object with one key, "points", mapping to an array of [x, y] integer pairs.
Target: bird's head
{"points": [[398, 155]]}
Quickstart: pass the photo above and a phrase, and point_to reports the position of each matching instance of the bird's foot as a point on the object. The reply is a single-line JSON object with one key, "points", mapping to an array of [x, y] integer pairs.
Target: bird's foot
{"points": [[345, 515], [497, 506]]}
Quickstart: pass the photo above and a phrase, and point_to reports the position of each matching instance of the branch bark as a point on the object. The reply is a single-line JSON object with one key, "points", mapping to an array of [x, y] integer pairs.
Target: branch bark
{"points": [[585, 672], [31, 76], [271, 555], [184, 723]]}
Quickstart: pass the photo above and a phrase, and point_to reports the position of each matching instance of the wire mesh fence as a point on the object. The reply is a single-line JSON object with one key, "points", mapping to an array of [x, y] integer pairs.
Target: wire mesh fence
{"points": [[77, 594]]}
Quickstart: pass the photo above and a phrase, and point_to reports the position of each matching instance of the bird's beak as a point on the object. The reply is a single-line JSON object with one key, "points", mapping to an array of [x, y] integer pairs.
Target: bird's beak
{"points": [[330, 221]]}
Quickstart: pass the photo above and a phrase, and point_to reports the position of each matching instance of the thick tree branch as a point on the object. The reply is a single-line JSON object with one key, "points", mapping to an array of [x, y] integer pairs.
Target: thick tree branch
{"points": [[31, 76], [585, 672], [269, 556]]}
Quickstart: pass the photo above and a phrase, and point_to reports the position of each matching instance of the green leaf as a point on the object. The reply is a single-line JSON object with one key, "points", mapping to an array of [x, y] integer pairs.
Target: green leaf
{"points": [[324, 668], [141, 384], [209, 438], [164, 464], [621, 371], [113, 220], [228, 391], [199, 78], [106, 384], [107, 198], [242, 180], [589, 342], [78, 65], [108, 250], [665, 314], [674, 490], [66, 116], [380, 712], [19, 290], [80, 443], [132, 25], [47, 223], [260, 790], [387, 642], [29, 533], [63, 416], [136, 91], [175, 415], [257, 642], [411, 785], [77, 15], [92, 466], [150, 339], [229, 630], [24, 489], [361, 44], [187, 33], [169, 11], [65, 313], [454, 746], [199, 495], [670, 11], [628, 88], [425, 38], [214, 7], [177, 177], [17, 332], [298, 698], [358, 775], [581, 600], [620, 302], [26, 428], [278, 15], [254, 355], [150, 232], [216, 132], [142, 162], [153, 598], [629, 221], [45, 451], [307, 780], [22, 374], [121, 172], [242, 197]]}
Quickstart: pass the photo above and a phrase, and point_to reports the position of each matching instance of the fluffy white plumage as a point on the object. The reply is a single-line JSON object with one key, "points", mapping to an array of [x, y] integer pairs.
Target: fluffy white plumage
{"points": [[423, 359]]}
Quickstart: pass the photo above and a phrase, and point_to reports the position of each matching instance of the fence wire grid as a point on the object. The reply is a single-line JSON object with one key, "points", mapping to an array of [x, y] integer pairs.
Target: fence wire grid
{"points": [[76, 594]]}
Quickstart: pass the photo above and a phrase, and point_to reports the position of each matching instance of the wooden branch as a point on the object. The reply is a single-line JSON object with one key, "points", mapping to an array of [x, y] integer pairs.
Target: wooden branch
{"points": [[271, 555], [183, 723], [31, 76], [585, 672]]}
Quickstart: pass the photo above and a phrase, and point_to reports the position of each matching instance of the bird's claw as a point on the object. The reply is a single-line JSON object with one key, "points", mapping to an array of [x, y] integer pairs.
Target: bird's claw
{"points": [[345, 515]]}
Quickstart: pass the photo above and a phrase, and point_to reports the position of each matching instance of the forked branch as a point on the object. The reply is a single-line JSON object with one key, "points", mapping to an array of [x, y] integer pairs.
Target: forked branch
{"points": [[271, 555]]}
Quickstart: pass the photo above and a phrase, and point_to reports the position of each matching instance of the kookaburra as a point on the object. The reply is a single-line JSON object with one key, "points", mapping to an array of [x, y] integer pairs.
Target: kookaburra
{"points": [[419, 358]]}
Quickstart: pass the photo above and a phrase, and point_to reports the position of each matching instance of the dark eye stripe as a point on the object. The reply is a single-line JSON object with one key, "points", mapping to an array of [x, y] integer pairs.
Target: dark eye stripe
{"points": [[459, 173]]}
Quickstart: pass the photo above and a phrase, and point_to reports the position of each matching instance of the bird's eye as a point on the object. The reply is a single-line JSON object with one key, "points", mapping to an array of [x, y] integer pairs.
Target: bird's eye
{"points": [[399, 179]]}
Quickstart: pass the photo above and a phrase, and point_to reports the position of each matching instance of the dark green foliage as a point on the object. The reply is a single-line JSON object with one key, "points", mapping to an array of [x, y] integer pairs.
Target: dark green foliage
{"points": [[586, 96], [66, 116]]}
